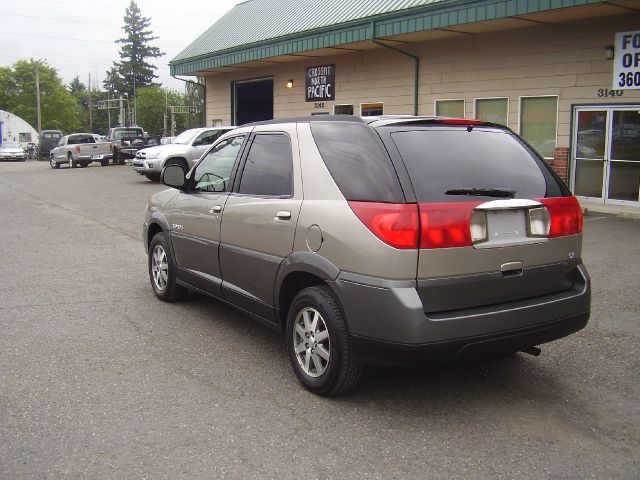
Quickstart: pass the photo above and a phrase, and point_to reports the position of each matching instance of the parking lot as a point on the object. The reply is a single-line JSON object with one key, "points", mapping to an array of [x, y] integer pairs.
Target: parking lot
{"points": [[99, 379]]}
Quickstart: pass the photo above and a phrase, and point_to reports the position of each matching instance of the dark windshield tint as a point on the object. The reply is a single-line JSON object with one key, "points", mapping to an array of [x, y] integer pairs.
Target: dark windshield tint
{"points": [[357, 161], [444, 164], [131, 132]]}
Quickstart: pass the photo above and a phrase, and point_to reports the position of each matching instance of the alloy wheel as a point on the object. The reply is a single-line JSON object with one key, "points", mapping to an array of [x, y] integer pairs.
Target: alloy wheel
{"points": [[311, 342], [160, 267]]}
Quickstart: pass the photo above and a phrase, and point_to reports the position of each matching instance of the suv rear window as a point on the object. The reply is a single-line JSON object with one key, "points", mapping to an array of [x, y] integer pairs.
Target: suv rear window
{"points": [[357, 161], [444, 159]]}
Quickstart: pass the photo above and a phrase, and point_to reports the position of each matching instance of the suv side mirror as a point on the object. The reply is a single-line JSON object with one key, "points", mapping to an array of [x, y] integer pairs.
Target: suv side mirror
{"points": [[173, 176], [197, 142]]}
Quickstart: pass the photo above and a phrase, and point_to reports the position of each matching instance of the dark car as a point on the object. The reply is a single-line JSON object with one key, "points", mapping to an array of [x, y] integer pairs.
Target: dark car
{"points": [[48, 141]]}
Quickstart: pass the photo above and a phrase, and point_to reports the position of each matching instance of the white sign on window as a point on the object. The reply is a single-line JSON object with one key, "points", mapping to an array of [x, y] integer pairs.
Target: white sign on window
{"points": [[626, 62]]}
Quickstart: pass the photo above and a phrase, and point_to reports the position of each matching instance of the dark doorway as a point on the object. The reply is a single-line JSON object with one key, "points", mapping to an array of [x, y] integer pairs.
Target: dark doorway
{"points": [[253, 100]]}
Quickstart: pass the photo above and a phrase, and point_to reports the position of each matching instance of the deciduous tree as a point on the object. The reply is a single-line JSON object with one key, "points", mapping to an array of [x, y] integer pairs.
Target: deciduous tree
{"points": [[59, 109]]}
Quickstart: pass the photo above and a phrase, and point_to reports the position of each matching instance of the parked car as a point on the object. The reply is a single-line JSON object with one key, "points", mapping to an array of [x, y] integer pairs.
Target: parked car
{"points": [[381, 241], [48, 141], [125, 142], [12, 151], [184, 151], [80, 149]]}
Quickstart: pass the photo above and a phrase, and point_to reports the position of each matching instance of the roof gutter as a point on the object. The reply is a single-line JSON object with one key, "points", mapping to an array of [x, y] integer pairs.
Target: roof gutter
{"points": [[416, 60], [188, 81], [203, 120]]}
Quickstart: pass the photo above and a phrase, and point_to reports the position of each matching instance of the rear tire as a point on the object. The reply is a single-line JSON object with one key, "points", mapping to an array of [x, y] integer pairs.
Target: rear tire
{"points": [[162, 271], [318, 343], [104, 163]]}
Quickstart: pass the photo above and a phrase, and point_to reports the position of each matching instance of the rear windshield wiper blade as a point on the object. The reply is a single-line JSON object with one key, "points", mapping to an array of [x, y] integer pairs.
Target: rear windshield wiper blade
{"points": [[483, 192]]}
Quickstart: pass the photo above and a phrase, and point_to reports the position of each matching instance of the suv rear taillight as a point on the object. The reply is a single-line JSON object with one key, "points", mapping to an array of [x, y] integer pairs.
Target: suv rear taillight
{"points": [[77, 149], [445, 225], [565, 214], [396, 224], [458, 224]]}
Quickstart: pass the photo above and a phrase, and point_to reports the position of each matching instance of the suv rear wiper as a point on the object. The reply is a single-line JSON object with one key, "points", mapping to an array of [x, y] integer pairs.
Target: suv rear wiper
{"points": [[483, 192]]}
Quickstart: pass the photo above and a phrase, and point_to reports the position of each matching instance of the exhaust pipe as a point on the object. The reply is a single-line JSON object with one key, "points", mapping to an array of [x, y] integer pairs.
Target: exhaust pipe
{"points": [[535, 351]]}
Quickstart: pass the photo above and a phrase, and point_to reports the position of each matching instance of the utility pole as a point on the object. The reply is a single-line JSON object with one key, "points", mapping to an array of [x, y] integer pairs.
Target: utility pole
{"points": [[135, 99], [38, 97], [90, 107]]}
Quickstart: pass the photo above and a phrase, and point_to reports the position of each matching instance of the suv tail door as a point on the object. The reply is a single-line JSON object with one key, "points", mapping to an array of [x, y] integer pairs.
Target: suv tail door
{"points": [[260, 217], [467, 178]]}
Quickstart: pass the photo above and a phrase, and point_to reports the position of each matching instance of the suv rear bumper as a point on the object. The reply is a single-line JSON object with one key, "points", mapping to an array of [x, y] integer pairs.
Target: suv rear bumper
{"points": [[388, 323], [378, 352]]}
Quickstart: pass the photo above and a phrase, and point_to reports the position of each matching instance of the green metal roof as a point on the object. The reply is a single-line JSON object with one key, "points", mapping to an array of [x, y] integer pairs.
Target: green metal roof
{"points": [[258, 29]]}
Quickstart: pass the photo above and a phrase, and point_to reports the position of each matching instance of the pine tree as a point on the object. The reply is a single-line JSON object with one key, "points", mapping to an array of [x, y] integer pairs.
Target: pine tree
{"points": [[132, 71]]}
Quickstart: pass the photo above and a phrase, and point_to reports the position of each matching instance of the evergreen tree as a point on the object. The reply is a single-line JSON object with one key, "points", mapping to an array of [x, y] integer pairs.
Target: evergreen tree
{"points": [[133, 70]]}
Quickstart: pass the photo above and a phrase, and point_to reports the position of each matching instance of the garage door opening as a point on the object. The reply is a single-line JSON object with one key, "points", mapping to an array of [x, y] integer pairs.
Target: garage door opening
{"points": [[253, 101]]}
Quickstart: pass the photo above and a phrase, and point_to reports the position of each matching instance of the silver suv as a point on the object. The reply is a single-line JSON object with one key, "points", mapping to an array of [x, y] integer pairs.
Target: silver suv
{"points": [[385, 241]]}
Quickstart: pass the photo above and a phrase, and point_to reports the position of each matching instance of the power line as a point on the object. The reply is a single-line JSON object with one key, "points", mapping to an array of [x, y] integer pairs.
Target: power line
{"points": [[83, 21], [72, 39], [170, 12]]}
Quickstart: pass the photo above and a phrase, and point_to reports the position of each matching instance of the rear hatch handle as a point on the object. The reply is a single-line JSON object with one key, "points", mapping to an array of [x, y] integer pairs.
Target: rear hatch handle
{"points": [[511, 269]]}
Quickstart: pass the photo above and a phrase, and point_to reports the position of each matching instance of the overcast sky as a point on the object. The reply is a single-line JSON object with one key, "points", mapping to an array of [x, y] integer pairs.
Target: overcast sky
{"points": [[77, 36]]}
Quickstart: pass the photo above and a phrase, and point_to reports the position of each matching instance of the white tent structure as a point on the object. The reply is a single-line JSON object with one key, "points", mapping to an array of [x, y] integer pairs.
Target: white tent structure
{"points": [[14, 128]]}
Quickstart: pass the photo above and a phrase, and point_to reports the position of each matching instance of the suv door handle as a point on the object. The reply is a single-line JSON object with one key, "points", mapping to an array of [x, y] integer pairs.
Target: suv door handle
{"points": [[283, 215], [215, 209]]}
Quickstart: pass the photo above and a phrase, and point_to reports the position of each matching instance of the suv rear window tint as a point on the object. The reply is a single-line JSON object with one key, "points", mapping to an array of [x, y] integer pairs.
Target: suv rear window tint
{"points": [[268, 169], [357, 161], [445, 159]]}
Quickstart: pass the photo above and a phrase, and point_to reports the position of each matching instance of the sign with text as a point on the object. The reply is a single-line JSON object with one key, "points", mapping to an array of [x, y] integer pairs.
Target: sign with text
{"points": [[319, 83], [626, 62]]}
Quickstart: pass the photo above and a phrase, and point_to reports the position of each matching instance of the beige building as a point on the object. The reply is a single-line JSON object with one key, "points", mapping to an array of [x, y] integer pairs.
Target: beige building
{"points": [[544, 68]]}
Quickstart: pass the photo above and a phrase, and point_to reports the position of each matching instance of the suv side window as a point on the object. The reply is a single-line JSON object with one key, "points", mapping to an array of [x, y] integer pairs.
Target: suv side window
{"points": [[207, 138], [213, 172], [269, 166]]}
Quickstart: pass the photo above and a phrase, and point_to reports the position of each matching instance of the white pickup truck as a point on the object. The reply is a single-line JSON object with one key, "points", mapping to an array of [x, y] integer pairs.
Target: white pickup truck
{"points": [[80, 149], [184, 150]]}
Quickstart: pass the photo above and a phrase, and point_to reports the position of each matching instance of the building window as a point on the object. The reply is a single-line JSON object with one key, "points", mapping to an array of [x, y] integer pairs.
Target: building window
{"points": [[343, 109], [450, 108], [539, 122], [371, 109], [494, 110], [24, 137], [216, 122]]}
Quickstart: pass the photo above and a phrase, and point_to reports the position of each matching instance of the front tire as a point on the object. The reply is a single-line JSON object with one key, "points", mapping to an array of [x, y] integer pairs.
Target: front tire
{"points": [[318, 343], [53, 163], [104, 163], [154, 177], [162, 271]]}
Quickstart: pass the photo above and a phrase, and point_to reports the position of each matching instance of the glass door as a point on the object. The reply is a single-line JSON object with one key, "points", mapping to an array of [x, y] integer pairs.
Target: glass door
{"points": [[590, 146], [624, 166], [606, 154]]}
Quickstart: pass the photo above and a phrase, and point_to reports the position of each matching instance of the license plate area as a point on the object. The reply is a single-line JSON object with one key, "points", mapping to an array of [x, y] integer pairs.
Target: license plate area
{"points": [[507, 228]]}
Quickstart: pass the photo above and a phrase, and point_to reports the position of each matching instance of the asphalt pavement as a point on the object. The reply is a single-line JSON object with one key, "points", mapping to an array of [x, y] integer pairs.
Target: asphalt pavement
{"points": [[99, 379]]}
